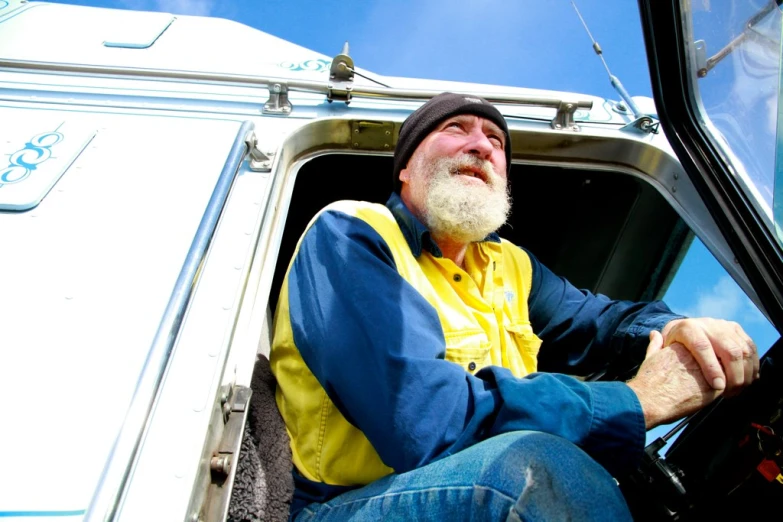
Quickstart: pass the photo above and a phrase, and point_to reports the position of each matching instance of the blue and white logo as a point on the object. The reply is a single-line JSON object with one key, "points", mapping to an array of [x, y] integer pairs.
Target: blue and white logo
{"points": [[36, 160], [316, 65], [25, 160]]}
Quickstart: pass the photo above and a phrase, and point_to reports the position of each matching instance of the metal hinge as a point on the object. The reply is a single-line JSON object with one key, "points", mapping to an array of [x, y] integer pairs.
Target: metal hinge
{"points": [[278, 100], [234, 405], [258, 161], [372, 135], [341, 77]]}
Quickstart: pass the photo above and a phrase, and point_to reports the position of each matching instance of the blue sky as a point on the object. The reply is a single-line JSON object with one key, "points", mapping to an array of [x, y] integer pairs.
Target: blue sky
{"points": [[490, 41], [530, 43]]}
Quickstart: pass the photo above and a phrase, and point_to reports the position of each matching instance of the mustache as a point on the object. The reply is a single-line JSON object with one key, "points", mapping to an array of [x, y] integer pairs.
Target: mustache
{"points": [[465, 161]]}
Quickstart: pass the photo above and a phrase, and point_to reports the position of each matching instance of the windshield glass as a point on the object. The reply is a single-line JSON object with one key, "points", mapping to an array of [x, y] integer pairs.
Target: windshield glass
{"points": [[735, 61]]}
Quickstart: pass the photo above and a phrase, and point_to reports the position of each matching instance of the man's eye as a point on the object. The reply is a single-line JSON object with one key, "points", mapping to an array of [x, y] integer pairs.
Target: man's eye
{"points": [[496, 140], [454, 124]]}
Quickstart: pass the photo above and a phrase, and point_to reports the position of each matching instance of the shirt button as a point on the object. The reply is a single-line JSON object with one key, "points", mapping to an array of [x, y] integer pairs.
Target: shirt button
{"points": [[471, 366], [457, 278]]}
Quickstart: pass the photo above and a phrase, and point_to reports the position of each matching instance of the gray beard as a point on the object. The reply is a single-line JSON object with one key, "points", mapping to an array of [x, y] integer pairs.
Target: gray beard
{"points": [[465, 213]]}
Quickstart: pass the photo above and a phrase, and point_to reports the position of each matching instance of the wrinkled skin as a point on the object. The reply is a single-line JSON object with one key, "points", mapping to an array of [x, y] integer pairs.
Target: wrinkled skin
{"points": [[670, 384], [726, 354]]}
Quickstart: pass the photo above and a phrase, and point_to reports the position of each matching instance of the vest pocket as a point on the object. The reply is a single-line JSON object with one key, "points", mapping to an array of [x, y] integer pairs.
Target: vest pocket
{"points": [[470, 349], [528, 344]]}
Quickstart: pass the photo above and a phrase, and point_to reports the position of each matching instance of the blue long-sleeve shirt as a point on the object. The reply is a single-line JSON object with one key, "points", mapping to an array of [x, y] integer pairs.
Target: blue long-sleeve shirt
{"points": [[376, 347]]}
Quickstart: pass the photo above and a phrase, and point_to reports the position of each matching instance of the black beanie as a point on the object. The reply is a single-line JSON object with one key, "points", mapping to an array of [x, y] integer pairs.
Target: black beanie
{"points": [[418, 125]]}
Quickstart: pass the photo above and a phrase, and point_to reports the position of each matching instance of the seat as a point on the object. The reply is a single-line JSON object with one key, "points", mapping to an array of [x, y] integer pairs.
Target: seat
{"points": [[263, 486]]}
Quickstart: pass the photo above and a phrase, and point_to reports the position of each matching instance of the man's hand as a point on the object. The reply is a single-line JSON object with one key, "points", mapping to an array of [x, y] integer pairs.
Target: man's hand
{"points": [[670, 383], [726, 354]]}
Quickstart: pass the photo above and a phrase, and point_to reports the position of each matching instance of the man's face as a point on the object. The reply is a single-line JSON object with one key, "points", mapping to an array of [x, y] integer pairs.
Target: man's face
{"points": [[455, 181]]}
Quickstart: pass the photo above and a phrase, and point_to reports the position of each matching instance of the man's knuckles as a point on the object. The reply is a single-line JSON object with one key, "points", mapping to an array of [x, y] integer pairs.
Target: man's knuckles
{"points": [[700, 345], [736, 353]]}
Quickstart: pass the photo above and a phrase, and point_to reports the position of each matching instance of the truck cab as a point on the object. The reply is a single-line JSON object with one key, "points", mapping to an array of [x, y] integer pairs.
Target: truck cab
{"points": [[153, 187]]}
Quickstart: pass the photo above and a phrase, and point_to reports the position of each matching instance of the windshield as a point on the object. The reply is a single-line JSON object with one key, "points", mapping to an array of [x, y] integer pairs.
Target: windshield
{"points": [[735, 67]]}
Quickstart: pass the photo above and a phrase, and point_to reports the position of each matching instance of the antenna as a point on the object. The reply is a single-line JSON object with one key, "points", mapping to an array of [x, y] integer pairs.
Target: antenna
{"points": [[615, 81]]}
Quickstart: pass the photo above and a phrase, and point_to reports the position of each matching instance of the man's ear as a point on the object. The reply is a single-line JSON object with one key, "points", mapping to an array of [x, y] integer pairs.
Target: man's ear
{"points": [[405, 176]]}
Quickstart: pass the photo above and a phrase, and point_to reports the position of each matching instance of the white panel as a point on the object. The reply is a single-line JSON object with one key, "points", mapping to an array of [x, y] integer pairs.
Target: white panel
{"points": [[171, 455], [84, 279]]}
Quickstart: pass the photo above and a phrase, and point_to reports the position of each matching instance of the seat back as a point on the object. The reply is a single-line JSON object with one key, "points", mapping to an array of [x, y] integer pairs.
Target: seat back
{"points": [[263, 486]]}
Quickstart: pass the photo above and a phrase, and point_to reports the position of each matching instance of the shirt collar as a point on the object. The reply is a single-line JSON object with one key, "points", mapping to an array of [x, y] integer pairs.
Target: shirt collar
{"points": [[414, 231]]}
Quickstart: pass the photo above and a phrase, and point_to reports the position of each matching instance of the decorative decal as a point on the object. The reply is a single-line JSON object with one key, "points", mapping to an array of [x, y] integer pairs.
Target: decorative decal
{"points": [[32, 159], [316, 65], [25, 160]]}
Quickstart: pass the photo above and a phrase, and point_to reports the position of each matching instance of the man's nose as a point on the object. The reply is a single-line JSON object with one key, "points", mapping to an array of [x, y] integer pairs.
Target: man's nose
{"points": [[479, 144]]}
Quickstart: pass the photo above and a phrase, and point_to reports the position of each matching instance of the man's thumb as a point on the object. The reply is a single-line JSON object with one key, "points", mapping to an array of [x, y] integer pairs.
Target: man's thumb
{"points": [[656, 342]]}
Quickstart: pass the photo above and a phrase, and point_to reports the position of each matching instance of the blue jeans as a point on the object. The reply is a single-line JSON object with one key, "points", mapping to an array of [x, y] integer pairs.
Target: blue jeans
{"points": [[525, 475]]}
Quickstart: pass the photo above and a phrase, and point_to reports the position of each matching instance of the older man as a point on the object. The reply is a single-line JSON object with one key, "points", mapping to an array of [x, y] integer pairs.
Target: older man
{"points": [[406, 346]]}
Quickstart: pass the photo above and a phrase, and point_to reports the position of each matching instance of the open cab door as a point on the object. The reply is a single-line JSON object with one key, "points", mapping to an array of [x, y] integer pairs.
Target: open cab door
{"points": [[716, 77]]}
